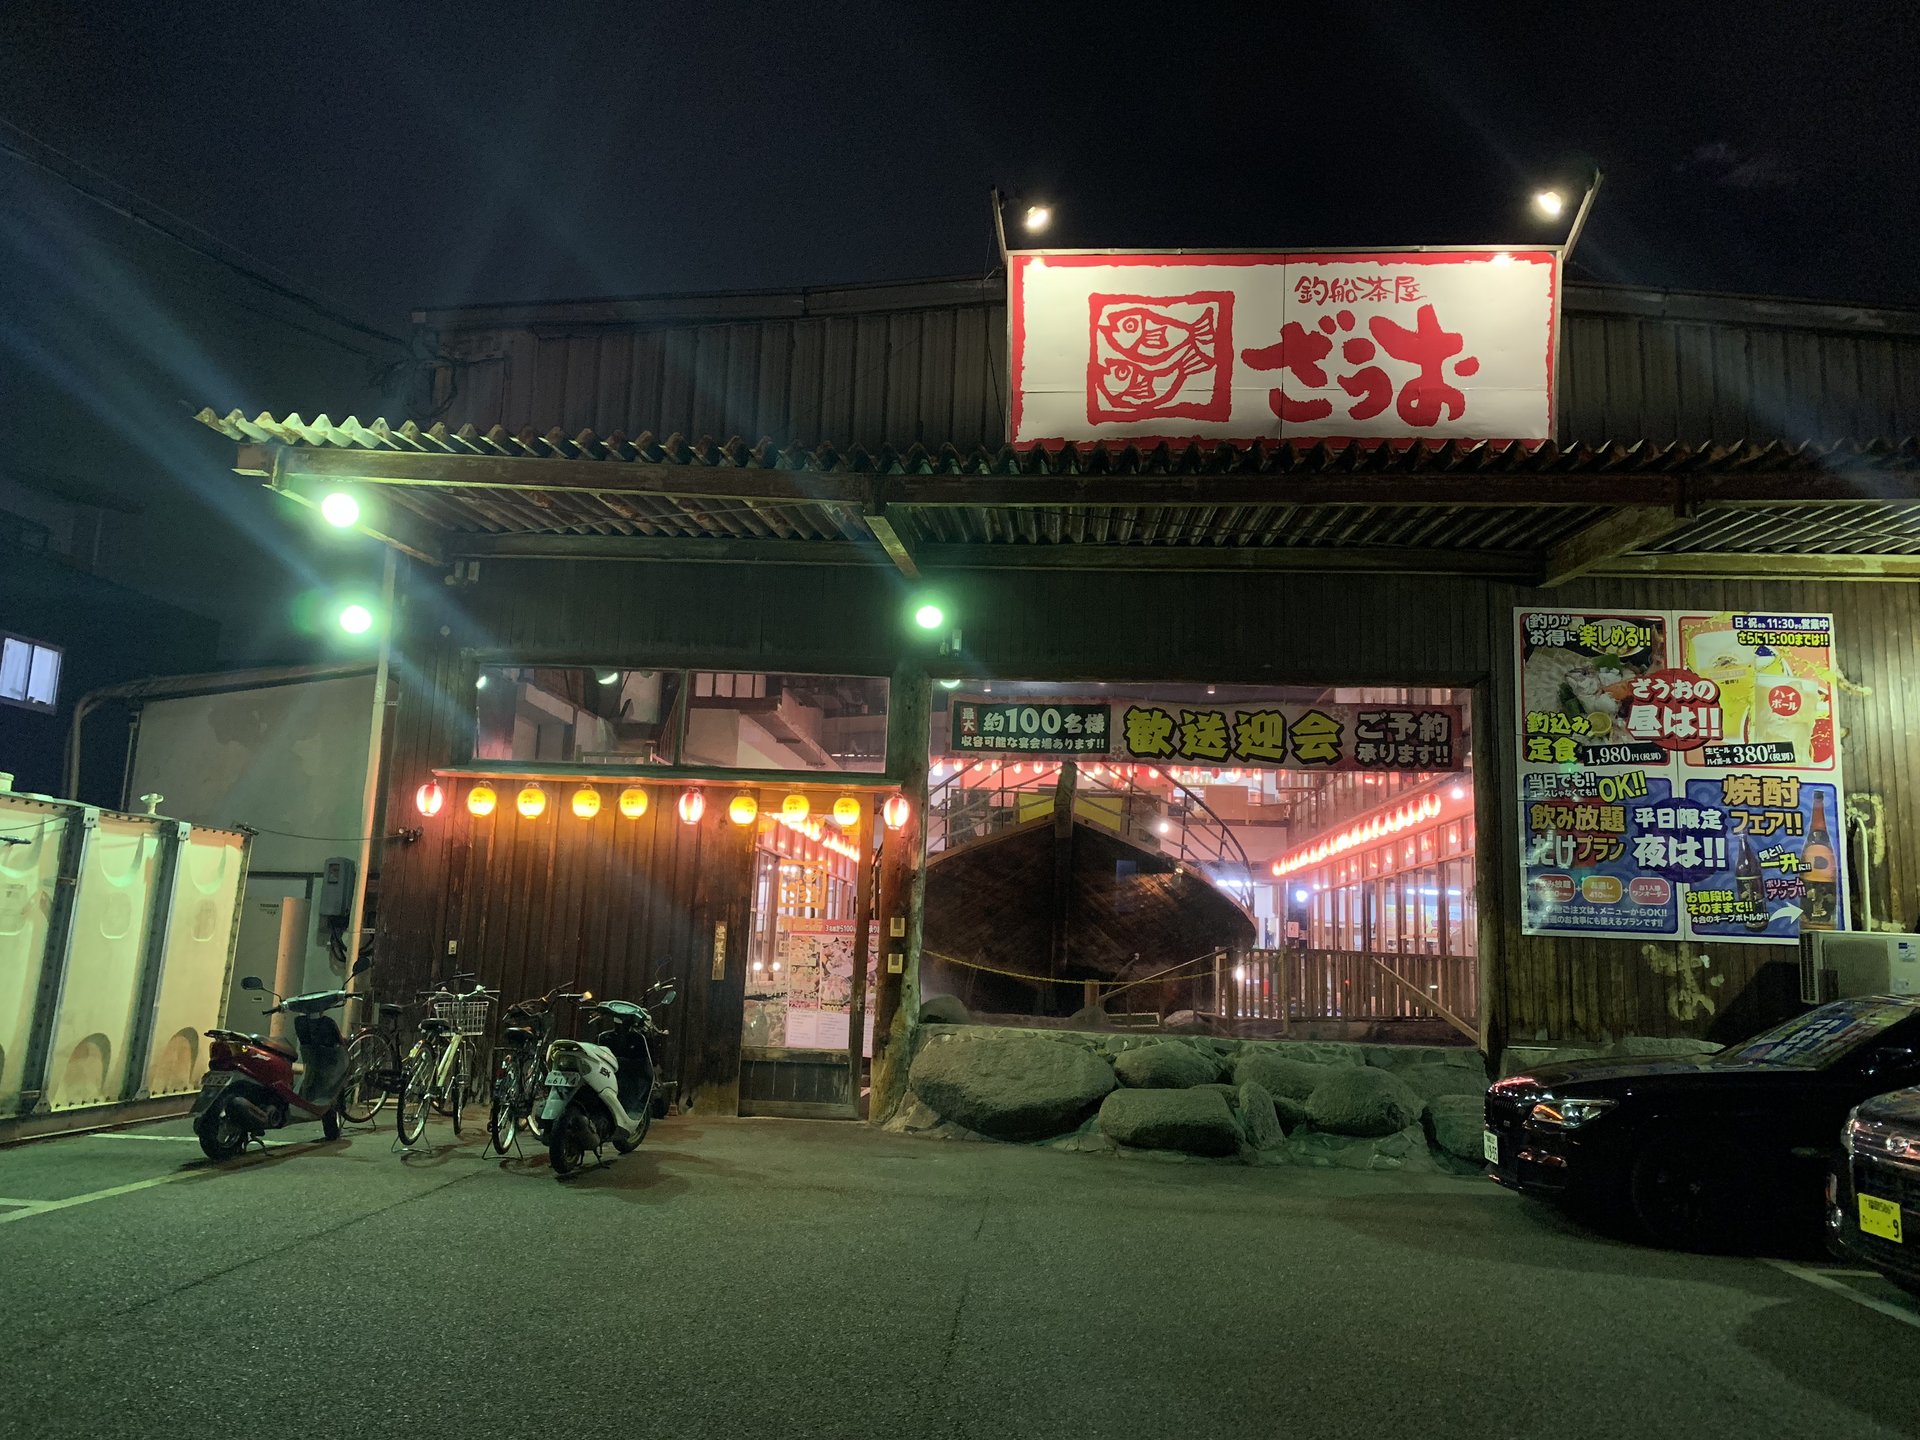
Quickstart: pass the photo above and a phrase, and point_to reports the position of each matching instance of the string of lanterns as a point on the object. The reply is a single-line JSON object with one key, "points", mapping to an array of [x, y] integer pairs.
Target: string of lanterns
{"points": [[743, 809]]}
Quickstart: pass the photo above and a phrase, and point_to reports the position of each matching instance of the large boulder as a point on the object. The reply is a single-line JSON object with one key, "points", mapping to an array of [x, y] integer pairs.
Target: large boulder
{"points": [[1009, 1086], [1455, 1124], [1196, 1122], [1258, 1118], [1165, 1065], [1403, 1150], [1363, 1101], [945, 1010], [1430, 1082], [1279, 1075]]}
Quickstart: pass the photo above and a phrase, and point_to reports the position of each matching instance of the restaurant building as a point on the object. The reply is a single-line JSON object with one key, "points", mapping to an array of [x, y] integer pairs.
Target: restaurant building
{"points": [[1367, 645]]}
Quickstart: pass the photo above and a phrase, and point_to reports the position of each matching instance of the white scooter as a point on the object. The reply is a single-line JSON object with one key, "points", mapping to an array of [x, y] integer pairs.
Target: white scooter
{"points": [[604, 1091]]}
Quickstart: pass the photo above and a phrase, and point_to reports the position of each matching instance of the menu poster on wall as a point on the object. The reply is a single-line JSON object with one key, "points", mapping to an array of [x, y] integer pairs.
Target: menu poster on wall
{"points": [[803, 1001], [1679, 776]]}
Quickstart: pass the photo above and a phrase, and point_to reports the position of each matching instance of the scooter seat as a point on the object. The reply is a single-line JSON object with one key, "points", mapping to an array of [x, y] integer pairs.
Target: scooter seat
{"points": [[517, 1032], [432, 1026], [278, 1046]]}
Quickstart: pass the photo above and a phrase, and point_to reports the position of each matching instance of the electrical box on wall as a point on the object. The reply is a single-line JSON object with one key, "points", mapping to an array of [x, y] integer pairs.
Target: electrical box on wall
{"points": [[336, 890]]}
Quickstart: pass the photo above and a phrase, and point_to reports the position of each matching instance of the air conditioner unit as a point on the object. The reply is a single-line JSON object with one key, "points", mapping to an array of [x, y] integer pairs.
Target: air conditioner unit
{"points": [[1837, 964]]}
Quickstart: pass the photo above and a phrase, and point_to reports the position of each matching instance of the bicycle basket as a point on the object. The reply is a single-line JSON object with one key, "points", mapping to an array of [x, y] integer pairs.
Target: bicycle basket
{"points": [[469, 1017]]}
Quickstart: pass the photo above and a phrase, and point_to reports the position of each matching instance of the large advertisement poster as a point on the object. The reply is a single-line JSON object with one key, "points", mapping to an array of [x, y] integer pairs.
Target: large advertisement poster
{"points": [[1281, 735], [1305, 347], [1679, 776]]}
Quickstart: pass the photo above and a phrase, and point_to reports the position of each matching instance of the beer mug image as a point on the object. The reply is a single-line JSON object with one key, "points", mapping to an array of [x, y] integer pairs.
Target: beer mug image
{"points": [[1719, 656], [1785, 708]]}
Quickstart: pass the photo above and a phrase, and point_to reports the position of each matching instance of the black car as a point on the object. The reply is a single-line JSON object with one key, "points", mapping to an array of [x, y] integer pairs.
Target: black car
{"points": [[1705, 1149], [1874, 1209]]}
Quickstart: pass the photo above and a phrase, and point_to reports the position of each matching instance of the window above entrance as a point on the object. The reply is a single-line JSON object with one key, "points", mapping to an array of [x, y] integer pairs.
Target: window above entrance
{"points": [[746, 720]]}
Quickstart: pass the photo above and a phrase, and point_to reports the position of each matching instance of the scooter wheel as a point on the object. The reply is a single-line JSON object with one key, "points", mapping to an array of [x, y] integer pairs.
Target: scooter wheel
{"points": [[627, 1147], [572, 1137], [221, 1135]]}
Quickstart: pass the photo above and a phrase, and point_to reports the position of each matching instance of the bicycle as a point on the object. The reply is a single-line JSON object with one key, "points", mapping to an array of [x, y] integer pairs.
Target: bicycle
{"points": [[520, 1071], [439, 1067], [373, 1063]]}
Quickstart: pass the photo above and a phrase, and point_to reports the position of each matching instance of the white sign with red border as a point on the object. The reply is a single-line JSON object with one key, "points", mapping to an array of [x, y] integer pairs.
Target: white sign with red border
{"points": [[1307, 347]]}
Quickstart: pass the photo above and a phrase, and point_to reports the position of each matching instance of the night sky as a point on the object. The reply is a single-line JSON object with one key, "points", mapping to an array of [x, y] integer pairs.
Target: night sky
{"points": [[403, 155]]}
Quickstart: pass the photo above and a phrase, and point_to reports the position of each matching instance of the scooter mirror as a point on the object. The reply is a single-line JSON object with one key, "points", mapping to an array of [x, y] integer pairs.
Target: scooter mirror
{"points": [[363, 964], [252, 982], [667, 997]]}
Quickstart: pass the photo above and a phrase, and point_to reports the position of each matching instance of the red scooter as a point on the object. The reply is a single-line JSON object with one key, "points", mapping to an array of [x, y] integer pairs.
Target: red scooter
{"points": [[249, 1087]]}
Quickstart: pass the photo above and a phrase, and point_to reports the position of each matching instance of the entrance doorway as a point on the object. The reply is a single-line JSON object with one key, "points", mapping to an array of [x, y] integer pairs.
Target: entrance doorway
{"points": [[1234, 859]]}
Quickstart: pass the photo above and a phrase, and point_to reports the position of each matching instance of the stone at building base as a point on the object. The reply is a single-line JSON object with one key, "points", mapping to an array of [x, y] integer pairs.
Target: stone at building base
{"points": [[1404, 1150], [1009, 1086], [1455, 1124], [1364, 1102], [1166, 1065], [1430, 1082], [1258, 1118], [1279, 1075], [1194, 1122]]}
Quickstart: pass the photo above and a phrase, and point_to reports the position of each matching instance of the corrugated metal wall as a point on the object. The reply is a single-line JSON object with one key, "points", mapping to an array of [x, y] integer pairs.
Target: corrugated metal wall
{"points": [[1279, 629], [1637, 365]]}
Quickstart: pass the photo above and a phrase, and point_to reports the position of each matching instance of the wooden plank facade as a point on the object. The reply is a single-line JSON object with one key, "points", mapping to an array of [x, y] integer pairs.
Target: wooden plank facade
{"points": [[527, 900]]}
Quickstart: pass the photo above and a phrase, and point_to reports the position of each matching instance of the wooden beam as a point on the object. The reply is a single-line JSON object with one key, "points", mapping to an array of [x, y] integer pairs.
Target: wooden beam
{"points": [[1454, 489], [1682, 566], [669, 549], [1420, 997], [612, 477], [1807, 486], [1627, 528], [899, 549], [1499, 564]]}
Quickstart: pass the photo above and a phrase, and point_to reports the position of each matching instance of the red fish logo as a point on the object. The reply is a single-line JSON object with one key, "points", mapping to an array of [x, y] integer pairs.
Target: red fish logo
{"points": [[1154, 357]]}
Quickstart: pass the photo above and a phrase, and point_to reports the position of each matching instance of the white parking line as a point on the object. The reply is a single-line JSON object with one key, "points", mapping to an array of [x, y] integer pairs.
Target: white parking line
{"points": [[1826, 1280], [128, 1135], [47, 1207]]}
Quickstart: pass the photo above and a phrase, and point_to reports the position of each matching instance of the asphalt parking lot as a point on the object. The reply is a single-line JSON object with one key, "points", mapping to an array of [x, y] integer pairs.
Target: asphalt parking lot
{"points": [[788, 1278]]}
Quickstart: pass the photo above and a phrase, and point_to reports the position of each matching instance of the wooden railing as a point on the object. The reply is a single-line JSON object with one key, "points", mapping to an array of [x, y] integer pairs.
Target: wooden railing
{"points": [[1348, 985]]}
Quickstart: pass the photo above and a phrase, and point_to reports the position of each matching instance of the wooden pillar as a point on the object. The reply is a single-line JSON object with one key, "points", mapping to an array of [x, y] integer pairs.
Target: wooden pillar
{"points": [[870, 825], [896, 991]]}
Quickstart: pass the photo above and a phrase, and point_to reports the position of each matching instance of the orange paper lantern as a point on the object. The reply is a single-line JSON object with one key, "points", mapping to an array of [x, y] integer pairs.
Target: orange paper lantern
{"points": [[586, 802], [633, 802], [481, 800]]}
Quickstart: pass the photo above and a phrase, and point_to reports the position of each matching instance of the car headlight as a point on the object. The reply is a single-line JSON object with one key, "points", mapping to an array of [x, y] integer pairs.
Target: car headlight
{"points": [[1568, 1114]]}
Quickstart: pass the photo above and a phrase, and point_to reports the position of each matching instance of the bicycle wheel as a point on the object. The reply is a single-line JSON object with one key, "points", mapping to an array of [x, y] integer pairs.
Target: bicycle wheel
{"points": [[533, 1093], [416, 1094], [369, 1058], [443, 1101], [457, 1098], [503, 1116]]}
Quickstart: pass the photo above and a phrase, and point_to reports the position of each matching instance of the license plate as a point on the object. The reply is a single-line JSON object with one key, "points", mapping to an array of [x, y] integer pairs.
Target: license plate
{"points": [[1490, 1146], [554, 1078], [1880, 1217]]}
